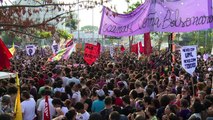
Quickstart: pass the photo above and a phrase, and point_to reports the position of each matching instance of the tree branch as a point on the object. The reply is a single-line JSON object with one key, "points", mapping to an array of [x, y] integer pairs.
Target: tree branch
{"points": [[28, 34], [43, 5], [35, 25]]}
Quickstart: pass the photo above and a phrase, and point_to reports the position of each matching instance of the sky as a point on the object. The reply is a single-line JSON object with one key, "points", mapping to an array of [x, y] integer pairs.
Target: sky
{"points": [[86, 15]]}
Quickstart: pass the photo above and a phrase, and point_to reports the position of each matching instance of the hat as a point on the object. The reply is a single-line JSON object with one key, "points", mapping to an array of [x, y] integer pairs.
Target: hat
{"points": [[100, 93], [5, 99]]}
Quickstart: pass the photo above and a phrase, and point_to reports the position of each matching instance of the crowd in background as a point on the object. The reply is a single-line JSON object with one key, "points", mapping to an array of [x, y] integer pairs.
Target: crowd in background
{"points": [[118, 88]]}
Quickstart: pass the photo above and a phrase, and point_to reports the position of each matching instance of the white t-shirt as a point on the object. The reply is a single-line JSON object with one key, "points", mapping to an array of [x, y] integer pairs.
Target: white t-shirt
{"points": [[84, 116], [28, 109], [64, 110], [77, 96], [41, 108], [62, 90]]}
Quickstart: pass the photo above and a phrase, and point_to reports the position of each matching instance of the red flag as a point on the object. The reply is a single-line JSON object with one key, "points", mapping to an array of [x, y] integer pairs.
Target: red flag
{"points": [[69, 43], [5, 56], [46, 109], [91, 53], [147, 44], [134, 48], [141, 48], [122, 48]]}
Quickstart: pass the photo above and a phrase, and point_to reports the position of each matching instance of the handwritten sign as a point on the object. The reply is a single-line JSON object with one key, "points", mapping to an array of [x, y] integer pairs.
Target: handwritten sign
{"points": [[189, 58], [91, 53], [30, 49], [159, 16], [55, 48]]}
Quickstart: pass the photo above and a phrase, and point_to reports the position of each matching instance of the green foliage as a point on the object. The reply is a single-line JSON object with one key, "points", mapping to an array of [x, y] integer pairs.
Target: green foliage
{"points": [[89, 28], [43, 34], [64, 34], [71, 23], [8, 40], [201, 38], [133, 6]]}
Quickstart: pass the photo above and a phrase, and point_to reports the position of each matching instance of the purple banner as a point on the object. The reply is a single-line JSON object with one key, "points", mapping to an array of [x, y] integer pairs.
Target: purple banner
{"points": [[159, 16]]}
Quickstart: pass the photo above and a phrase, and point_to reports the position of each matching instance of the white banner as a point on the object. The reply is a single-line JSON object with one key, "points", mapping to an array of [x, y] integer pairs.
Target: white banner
{"points": [[189, 58], [112, 51], [55, 48], [30, 49]]}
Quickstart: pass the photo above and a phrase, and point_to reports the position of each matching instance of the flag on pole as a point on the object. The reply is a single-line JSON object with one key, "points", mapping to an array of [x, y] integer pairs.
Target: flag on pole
{"points": [[12, 49], [46, 109], [147, 44], [5, 56], [122, 48], [69, 43], [59, 55], [69, 51], [17, 108]]}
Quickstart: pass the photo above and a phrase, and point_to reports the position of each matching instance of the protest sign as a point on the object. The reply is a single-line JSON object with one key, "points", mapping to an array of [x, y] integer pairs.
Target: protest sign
{"points": [[30, 49], [189, 58], [91, 53]]}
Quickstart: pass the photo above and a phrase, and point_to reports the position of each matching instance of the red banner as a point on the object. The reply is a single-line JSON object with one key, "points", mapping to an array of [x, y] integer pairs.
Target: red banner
{"points": [[46, 109], [5, 55], [122, 48], [134, 48], [147, 44], [91, 53], [141, 48]]}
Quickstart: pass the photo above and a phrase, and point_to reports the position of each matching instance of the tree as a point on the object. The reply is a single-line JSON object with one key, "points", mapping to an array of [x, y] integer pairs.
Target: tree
{"points": [[18, 18], [71, 23], [89, 28]]}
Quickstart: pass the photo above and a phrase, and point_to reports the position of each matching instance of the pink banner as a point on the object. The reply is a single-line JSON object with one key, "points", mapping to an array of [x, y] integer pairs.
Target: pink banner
{"points": [[159, 16]]}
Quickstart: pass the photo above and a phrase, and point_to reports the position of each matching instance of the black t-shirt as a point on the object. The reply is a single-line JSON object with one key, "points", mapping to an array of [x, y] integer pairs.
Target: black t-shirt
{"points": [[105, 113], [127, 110], [89, 102]]}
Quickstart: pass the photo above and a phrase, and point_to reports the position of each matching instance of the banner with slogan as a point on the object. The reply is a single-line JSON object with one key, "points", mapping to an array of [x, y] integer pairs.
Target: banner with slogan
{"points": [[30, 49], [159, 16], [91, 53], [189, 58]]}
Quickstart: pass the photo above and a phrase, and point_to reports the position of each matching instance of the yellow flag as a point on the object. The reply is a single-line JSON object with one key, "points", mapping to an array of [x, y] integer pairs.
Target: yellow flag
{"points": [[17, 108], [12, 49]]}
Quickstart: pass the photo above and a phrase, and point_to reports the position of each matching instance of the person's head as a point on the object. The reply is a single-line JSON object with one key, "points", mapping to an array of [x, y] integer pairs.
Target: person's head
{"points": [[95, 116], [117, 92], [12, 90], [5, 100], [47, 91], [147, 100], [71, 114], [197, 106], [150, 111], [201, 95], [140, 117], [77, 87], [171, 109], [133, 94], [184, 103], [101, 94], [57, 103], [114, 116], [47, 82], [79, 107], [25, 95], [126, 100], [108, 101], [165, 100]]}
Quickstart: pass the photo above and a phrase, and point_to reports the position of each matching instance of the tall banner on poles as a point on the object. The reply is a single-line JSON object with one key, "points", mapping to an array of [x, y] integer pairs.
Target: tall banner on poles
{"points": [[189, 58], [159, 16]]}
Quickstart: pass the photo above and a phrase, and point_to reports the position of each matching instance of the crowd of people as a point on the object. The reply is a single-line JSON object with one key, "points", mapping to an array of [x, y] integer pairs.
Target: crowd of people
{"points": [[118, 88]]}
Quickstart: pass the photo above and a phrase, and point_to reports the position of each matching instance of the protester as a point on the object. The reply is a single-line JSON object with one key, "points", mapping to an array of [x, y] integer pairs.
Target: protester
{"points": [[118, 88]]}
